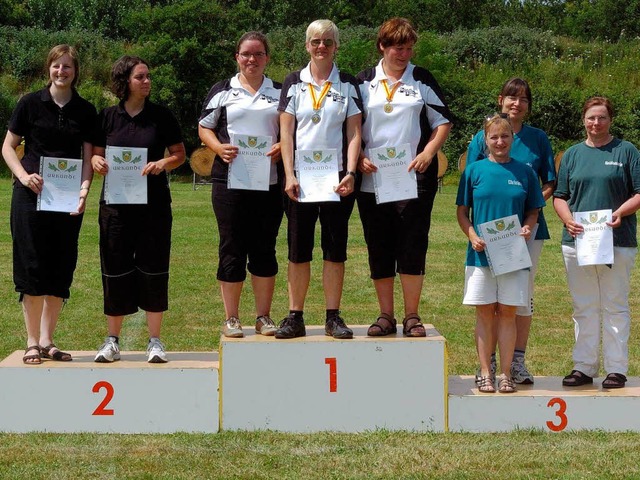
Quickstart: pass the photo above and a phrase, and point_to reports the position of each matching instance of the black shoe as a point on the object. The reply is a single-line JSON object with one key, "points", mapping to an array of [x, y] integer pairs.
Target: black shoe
{"points": [[336, 328], [291, 328], [576, 379]]}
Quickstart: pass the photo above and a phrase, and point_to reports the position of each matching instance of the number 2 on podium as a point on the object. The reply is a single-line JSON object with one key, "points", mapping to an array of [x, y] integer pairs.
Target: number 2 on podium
{"points": [[101, 410], [333, 373]]}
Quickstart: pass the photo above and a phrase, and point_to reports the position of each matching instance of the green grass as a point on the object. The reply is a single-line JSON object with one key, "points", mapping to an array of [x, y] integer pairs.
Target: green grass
{"points": [[193, 322]]}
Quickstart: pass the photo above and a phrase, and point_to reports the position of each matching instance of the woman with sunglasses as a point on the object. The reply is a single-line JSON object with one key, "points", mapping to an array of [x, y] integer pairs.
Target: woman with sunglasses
{"points": [[248, 220], [403, 105], [490, 190], [54, 122], [531, 146], [603, 172], [320, 109]]}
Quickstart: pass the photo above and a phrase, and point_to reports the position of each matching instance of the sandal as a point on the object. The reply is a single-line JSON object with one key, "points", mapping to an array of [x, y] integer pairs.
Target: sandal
{"points": [[384, 325], [412, 326], [485, 384], [34, 358], [506, 384], [576, 379], [57, 355], [614, 380]]}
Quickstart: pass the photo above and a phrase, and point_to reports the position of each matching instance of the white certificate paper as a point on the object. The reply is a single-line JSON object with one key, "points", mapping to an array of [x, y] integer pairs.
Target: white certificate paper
{"points": [[506, 249], [251, 169], [317, 172], [124, 183], [392, 182], [594, 246], [61, 184]]}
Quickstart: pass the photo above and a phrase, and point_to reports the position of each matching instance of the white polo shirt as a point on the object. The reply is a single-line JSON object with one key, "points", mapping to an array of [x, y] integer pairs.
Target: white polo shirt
{"points": [[342, 101], [231, 109], [418, 108]]}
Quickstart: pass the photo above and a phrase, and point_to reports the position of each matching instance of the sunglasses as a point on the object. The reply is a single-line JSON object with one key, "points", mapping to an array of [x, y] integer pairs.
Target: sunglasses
{"points": [[317, 41]]}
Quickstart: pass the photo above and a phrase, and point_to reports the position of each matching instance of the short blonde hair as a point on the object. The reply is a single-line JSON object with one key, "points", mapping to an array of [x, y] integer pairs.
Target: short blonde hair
{"points": [[321, 27]]}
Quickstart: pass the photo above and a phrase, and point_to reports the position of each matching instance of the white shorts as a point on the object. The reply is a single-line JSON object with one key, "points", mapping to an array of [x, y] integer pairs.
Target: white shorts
{"points": [[481, 288]]}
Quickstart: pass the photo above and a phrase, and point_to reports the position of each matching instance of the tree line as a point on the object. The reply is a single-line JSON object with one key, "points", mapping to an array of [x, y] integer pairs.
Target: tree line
{"points": [[568, 50]]}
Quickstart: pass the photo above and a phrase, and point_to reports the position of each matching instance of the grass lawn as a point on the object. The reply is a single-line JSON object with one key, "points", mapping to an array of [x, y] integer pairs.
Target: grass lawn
{"points": [[193, 322]]}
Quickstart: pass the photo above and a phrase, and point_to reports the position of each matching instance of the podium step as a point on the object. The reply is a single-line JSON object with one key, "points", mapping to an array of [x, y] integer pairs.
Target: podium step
{"points": [[128, 396], [318, 383], [544, 405]]}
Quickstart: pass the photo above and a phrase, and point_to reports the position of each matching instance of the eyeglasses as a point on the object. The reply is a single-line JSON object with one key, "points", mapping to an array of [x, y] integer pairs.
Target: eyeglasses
{"points": [[257, 55], [600, 119], [317, 41], [523, 100]]}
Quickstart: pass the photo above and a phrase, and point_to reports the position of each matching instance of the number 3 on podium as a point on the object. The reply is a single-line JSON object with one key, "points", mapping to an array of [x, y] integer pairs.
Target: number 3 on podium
{"points": [[561, 413]]}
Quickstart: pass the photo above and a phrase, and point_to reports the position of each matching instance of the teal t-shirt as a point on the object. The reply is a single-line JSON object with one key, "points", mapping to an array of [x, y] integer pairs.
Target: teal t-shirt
{"points": [[495, 190], [530, 146], [599, 178]]}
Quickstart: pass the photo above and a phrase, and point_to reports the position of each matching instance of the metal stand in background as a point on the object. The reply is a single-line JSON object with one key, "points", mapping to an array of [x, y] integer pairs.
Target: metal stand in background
{"points": [[199, 181]]}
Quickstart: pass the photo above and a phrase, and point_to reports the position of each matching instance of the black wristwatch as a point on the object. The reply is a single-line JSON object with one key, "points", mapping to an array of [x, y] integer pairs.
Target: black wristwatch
{"points": [[353, 174]]}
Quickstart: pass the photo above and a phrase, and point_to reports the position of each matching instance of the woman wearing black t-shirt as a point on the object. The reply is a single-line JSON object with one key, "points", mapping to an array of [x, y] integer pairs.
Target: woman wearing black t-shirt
{"points": [[54, 122], [135, 239]]}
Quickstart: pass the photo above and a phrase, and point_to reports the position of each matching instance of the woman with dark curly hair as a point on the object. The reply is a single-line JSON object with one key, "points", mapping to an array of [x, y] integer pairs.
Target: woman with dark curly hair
{"points": [[135, 239]]}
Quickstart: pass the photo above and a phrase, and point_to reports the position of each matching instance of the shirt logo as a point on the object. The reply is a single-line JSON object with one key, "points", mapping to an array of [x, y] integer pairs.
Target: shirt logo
{"points": [[514, 182], [408, 91], [269, 99], [615, 164]]}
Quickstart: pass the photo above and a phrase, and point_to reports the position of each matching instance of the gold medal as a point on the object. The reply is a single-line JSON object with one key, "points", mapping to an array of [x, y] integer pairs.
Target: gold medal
{"points": [[316, 102], [388, 108]]}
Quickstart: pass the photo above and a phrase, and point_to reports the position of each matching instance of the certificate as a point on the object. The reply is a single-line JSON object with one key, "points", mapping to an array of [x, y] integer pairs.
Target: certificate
{"points": [[594, 246], [506, 249], [317, 172], [392, 181], [124, 183], [251, 169], [61, 184]]}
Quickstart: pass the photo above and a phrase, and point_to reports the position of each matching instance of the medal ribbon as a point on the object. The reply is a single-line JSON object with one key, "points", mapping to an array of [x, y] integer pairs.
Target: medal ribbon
{"points": [[317, 102], [391, 93]]}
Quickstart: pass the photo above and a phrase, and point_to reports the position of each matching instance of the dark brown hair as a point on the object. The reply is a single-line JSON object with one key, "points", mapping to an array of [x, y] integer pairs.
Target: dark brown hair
{"points": [[259, 36], [514, 87], [120, 73]]}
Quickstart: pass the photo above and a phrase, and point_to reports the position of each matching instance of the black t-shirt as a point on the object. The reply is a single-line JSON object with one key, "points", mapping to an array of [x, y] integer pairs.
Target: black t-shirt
{"points": [[154, 128], [50, 130]]}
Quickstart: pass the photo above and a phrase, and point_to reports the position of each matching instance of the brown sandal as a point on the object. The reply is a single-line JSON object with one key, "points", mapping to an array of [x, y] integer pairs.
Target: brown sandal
{"points": [[58, 355], [384, 325], [34, 358], [412, 326], [486, 384]]}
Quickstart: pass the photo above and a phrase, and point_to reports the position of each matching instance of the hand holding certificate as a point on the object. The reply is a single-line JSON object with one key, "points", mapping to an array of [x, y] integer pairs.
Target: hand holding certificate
{"points": [[392, 181], [251, 168], [594, 246], [505, 247], [124, 182], [61, 184], [318, 175]]}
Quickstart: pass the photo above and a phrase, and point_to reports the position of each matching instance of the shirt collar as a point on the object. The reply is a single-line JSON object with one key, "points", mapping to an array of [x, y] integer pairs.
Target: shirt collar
{"points": [[406, 76], [235, 82], [305, 75], [45, 95]]}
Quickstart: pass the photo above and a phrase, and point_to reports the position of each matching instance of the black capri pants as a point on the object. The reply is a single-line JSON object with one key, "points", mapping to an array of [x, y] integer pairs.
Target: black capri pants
{"points": [[397, 233], [248, 225], [135, 243], [45, 246]]}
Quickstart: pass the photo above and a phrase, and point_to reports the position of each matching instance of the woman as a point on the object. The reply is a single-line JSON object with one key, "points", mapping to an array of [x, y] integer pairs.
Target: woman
{"points": [[54, 122], [603, 172], [135, 240], [321, 108], [531, 146], [403, 105], [248, 220], [493, 189]]}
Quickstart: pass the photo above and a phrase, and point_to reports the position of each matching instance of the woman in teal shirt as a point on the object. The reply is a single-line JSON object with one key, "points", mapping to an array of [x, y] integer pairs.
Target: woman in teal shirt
{"points": [[531, 146]]}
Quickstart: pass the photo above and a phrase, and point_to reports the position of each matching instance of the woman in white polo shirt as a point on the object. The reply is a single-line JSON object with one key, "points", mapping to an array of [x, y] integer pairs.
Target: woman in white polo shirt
{"points": [[403, 105], [321, 109], [248, 220]]}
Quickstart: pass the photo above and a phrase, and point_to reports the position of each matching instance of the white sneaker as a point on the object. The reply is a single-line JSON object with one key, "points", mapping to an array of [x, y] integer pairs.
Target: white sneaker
{"points": [[109, 351], [519, 372], [156, 352]]}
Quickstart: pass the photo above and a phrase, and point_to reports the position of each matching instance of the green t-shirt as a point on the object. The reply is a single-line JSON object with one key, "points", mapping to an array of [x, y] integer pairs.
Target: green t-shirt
{"points": [[600, 178]]}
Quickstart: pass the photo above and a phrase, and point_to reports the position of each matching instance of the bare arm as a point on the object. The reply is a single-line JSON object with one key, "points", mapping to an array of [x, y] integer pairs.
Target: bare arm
{"points": [[225, 151], [467, 227], [354, 138], [436, 140], [177, 156], [33, 181], [562, 209], [287, 127]]}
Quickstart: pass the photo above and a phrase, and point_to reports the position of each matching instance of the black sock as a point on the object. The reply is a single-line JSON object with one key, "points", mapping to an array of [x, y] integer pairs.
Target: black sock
{"points": [[332, 313], [297, 314], [116, 338]]}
